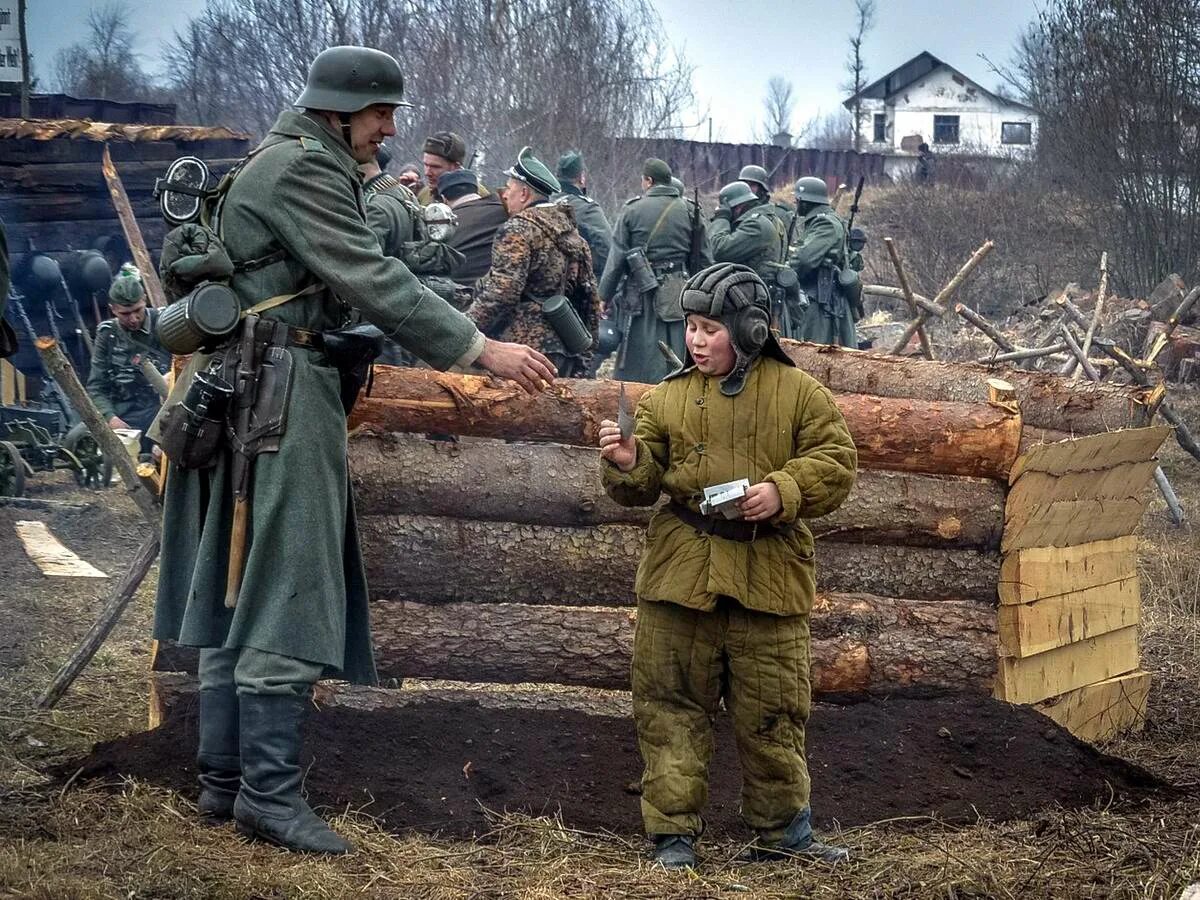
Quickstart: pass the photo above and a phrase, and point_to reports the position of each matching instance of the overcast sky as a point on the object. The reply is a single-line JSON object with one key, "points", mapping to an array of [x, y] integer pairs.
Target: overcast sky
{"points": [[736, 45]]}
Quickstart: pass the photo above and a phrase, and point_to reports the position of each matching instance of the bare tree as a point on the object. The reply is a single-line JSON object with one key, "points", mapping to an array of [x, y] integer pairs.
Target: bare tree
{"points": [[551, 73], [856, 66], [104, 64], [1116, 84], [779, 105], [832, 131]]}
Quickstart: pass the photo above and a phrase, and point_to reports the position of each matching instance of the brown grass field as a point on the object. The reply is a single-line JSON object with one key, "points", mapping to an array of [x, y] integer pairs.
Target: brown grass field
{"points": [[61, 840]]}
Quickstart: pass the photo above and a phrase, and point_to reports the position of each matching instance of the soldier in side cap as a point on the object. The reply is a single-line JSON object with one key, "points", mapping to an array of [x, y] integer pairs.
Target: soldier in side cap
{"points": [[117, 383], [653, 239], [538, 254], [589, 217]]}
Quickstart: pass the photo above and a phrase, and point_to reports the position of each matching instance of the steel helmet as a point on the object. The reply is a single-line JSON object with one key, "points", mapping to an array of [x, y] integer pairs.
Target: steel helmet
{"points": [[735, 194], [754, 174], [811, 189], [347, 79]]}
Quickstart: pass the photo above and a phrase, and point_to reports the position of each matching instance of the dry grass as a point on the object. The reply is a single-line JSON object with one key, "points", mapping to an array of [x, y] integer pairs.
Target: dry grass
{"points": [[139, 841]]}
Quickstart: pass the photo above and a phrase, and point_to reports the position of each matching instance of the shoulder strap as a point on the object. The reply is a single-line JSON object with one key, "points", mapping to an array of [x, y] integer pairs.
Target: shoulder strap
{"points": [[657, 225], [279, 299]]}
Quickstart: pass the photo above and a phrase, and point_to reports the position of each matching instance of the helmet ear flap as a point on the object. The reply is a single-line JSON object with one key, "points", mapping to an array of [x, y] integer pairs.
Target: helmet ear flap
{"points": [[751, 328]]}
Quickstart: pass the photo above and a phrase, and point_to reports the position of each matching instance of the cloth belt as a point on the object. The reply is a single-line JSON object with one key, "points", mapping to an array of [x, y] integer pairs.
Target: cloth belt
{"points": [[730, 529]]}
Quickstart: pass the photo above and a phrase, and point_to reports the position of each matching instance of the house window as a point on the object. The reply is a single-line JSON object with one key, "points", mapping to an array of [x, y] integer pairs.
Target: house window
{"points": [[945, 129], [1016, 133], [880, 126]]}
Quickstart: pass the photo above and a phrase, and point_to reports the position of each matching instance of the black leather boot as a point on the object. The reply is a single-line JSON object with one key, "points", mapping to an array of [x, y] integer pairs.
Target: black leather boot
{"points": [[269, 805], [217, 756]]}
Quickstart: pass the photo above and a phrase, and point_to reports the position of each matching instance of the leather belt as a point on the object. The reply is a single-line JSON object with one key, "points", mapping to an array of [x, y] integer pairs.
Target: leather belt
{"points": [[281, 334], [730, 529]]}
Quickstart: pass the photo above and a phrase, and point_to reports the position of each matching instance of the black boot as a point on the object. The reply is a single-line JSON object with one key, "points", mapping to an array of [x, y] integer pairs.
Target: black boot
{"points": [[674, 851], [797, 843], [217, 757], [269, 805]]}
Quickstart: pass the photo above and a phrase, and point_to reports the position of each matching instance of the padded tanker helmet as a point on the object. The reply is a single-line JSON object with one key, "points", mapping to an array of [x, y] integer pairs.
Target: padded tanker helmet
{"points": [[734, 295], [347, 79]]}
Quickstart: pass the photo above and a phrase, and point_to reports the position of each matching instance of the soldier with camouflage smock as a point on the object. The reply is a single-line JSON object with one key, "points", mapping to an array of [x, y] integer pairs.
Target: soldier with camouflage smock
{"points": [[653, 239], [589, 217], [822, 251], [538, 253], [117, 384], [296, 610]]}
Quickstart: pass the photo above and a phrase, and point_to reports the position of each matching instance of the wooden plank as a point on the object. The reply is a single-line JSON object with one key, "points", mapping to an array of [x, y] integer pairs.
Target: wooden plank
{"points": [[1096, 451], [1076, 507], [48, 553], [1027, 629], [1035, 678], [1097, 712], [1039, 572]]}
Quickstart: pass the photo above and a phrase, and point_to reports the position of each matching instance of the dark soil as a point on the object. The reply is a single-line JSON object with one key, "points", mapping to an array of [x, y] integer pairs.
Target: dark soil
{"points": [[432, 766]]}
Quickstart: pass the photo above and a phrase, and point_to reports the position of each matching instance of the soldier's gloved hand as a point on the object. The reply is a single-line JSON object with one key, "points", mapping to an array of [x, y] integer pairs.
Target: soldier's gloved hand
{"points": [[723, 212], [524, 365]]}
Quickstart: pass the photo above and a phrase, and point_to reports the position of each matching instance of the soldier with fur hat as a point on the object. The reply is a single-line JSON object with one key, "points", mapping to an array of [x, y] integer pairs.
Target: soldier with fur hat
{"points": [[730, 597]]}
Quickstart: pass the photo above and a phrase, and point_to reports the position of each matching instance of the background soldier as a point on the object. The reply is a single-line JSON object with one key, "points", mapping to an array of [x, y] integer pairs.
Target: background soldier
{"points": [[757, 180], [657, 241], [443, 152], [830, 317], [538, 253], [116, 383], [479, 218], [299, 610], [743, 230], [589, 217]]}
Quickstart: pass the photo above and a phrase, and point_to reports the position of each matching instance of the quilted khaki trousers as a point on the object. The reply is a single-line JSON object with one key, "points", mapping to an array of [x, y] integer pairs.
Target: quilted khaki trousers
{"points": [[684, 662]]}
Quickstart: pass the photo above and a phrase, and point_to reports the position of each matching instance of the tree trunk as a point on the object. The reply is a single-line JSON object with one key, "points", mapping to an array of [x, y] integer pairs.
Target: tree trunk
{"points": [[427, 559], [553, 484], [859, 643], [1047, 400], [942, 438]]}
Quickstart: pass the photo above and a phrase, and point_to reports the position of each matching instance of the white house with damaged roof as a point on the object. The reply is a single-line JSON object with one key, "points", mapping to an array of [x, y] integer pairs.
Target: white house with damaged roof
{"points": [[927, 101]]}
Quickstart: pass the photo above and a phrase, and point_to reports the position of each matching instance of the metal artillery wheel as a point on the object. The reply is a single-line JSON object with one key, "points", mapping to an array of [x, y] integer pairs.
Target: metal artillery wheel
{"points": [[12, 471], [94, 470]]}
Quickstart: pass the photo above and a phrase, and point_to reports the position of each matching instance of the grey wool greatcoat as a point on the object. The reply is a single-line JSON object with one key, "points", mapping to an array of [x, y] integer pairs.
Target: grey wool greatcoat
{"points": [[303, 592]]}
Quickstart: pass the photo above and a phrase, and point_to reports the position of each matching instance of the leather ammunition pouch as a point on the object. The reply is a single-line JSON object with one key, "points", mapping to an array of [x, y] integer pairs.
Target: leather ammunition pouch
{"points": [[667, 306], [352, 351]]}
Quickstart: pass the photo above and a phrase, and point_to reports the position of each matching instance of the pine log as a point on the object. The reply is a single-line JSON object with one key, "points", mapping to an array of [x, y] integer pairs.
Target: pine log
{"points": [[859, 643], [943, 438], [443, 560], [552, 484], [1047, 400]]}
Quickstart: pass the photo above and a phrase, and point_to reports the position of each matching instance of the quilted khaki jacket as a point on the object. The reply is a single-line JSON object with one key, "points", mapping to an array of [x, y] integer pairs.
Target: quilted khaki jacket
{"points": [[783, 427]]}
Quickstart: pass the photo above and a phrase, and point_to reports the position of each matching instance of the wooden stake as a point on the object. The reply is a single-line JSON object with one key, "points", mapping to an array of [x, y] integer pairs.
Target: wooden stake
{"points": [[123, 592], [1094, 325], [986, 327], [1168, 494], [909, 297], [1077, 352], [1022, 353], [133, 233], [1172, 323], [1183, 434], [886, 290], [61, 371], [944, 295]]}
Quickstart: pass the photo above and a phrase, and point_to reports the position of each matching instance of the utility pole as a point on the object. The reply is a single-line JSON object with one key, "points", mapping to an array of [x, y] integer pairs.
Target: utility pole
{"points": [[24, 59]]}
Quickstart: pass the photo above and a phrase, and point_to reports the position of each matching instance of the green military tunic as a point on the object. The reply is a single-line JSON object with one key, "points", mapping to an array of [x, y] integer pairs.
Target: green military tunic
{"points": [[591, 222], [823, 241], [659, 222], [303, 593], [395, 216], [116, 383], [755, 240]]}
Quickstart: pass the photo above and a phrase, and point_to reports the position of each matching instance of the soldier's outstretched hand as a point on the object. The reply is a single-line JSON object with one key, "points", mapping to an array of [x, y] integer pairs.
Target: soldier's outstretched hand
{"points": [[519, 363], [621, 453]]}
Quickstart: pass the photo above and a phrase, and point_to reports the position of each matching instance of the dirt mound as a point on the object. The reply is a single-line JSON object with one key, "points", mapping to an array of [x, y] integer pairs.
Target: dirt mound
{"points": [[431, 766]]}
